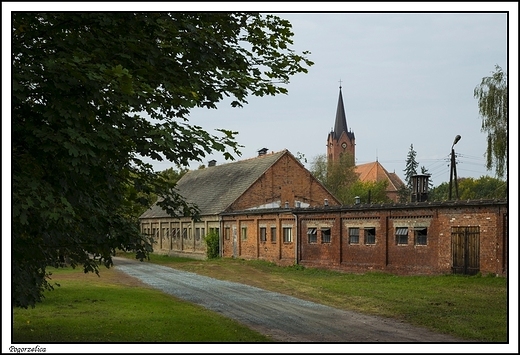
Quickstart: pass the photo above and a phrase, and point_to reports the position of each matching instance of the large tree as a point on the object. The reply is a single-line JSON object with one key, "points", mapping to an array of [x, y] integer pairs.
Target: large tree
{"points": [[492, 96], [411, 166], [94, 93], [338, 177]]}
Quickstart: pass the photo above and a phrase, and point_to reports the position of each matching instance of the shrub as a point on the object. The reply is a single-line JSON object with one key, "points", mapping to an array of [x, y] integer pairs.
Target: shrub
{"points": [[212, 245]]}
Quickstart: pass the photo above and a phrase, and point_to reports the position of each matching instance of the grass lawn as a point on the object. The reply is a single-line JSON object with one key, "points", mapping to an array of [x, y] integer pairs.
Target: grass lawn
{"points": [[115, 308], [469, 307], [118, 308]]}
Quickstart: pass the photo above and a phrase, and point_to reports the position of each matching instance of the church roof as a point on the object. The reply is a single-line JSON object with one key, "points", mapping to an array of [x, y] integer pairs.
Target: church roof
{"points": [[340, 124], [375, 172], [215, 188]]}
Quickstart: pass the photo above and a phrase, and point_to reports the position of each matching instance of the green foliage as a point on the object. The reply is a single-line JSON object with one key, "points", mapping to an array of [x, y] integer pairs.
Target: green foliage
{"points": [[369, 192], [411, 166], [492, 95], [485, 187], [212, 245], [337, 177], [94, 93]]}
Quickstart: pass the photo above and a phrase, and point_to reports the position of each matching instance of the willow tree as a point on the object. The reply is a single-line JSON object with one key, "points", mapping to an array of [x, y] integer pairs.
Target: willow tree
{"points": [[492, 96], [94, 93]]}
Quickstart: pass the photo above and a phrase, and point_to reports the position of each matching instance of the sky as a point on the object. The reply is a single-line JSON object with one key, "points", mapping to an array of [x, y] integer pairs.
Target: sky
{"points": [[407, 79]]}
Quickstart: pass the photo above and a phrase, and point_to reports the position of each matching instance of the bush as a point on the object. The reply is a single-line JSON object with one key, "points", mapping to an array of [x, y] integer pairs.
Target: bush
{"points": [[212, 245]]}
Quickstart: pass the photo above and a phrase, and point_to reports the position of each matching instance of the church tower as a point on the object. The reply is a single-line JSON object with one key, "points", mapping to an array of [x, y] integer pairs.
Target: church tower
{"points": [[340, 140]]}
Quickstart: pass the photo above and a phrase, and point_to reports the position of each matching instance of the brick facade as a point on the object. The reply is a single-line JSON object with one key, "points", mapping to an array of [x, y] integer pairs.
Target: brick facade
{"points": [[401, 239]]}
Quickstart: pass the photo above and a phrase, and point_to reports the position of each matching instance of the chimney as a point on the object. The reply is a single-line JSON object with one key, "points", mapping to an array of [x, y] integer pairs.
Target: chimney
{"points": [[212, 163], [262, 151]]}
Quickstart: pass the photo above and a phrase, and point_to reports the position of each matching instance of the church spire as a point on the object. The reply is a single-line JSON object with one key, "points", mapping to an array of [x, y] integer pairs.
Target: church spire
{"points": [[340, 125]]}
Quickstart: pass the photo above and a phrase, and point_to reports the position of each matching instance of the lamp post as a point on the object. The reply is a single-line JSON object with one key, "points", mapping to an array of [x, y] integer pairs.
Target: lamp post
{"points": [[453, 170]]}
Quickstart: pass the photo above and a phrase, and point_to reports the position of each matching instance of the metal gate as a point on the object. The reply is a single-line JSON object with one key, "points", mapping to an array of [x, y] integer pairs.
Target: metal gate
{"points": [[465, 248]]}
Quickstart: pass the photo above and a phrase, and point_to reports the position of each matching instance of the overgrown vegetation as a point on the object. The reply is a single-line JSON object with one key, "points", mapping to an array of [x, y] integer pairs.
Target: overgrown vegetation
{"points": [[212, 245]]}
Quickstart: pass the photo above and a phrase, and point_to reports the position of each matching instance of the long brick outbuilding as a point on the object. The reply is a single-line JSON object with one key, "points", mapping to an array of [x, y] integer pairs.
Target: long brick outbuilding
{"points": [[416, 238]]}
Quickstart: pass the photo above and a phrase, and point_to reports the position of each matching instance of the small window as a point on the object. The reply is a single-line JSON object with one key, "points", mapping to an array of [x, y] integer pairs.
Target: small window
{"points": [[202, 232], [401, 234], [227, 233], [263, 234], [353, 235], [370, 236], [185, 233], [244, 233], [197, 233], [312, 235], [421, 236], [273, 234], [325, 235], [287, 235]]}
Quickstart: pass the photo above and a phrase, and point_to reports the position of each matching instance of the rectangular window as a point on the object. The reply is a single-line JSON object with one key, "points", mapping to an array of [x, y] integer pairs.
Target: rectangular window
{"points": [[197, 233], [370, 236], [185, 233], [287, 234], [312, 235], [244, 233], [325, 235], [353, 235], [421, 236], [263, 234], [227, 233], [273, 234], [401, 235], [202, 232]]}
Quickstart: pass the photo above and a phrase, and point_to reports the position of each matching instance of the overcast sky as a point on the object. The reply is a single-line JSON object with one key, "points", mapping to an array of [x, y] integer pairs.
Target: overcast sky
{"points": [[407, 78]]}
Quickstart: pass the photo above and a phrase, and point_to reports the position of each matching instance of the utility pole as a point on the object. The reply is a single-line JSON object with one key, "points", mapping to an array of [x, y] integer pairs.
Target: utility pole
{"points": [[453, 170]]}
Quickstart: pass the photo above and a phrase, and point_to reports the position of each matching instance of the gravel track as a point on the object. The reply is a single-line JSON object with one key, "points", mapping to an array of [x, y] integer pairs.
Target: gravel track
{"points": [[283, 318]]}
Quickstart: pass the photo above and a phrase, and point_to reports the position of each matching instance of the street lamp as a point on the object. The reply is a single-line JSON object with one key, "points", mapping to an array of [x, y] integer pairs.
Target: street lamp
{"points": [[453, 170]]}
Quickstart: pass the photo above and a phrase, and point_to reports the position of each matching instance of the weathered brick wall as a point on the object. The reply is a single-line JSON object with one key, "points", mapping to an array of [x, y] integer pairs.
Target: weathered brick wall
{"points": [[286, 181]]}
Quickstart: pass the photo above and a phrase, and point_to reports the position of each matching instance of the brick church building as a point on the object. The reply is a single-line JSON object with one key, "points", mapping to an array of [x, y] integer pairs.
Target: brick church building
{"points": [[340, 141]]}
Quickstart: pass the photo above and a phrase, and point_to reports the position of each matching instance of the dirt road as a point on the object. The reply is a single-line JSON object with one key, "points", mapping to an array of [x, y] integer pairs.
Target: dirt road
{"points": [[283, 318]]}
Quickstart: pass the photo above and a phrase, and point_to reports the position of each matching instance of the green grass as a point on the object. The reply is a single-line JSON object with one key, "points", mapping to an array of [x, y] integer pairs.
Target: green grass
{"points": [[469, 307], [88, 309]]}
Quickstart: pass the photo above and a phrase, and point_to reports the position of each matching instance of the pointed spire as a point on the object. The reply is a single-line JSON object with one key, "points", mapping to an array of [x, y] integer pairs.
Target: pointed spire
{"points": [[340, 125]]}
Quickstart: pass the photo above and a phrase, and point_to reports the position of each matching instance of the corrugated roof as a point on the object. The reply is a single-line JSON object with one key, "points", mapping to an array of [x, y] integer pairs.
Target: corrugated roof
{"points": [[215, 188]]}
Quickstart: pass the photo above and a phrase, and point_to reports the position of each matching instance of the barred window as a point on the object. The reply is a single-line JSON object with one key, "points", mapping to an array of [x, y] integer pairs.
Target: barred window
{"points": [[287, 235], [353, 235], [273, 234], [325, 235], [401, 234], [263, 234], [370, 236], [421, 236], [312, 235]]}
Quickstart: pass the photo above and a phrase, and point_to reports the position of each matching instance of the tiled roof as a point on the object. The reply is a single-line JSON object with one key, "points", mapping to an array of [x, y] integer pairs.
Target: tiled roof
{"points": [[376, 172], [214, 189]]}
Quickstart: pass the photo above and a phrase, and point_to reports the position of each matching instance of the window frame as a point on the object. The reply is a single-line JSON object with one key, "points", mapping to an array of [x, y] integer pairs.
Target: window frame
{"points": [[312, 235], [352, 236], [274, 237], [418, 237], [263, 234], [243, 233], [326, 238], [372, 240], [400, 235], [287, 234]]}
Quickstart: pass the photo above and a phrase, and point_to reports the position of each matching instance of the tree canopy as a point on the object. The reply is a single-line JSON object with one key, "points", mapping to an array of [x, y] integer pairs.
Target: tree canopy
{"points": [[492, 96], [93, 95]]}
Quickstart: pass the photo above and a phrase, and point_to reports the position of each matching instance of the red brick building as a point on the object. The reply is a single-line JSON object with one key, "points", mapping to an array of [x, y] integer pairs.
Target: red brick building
{"points": [[275, 180], [420, 238]]}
